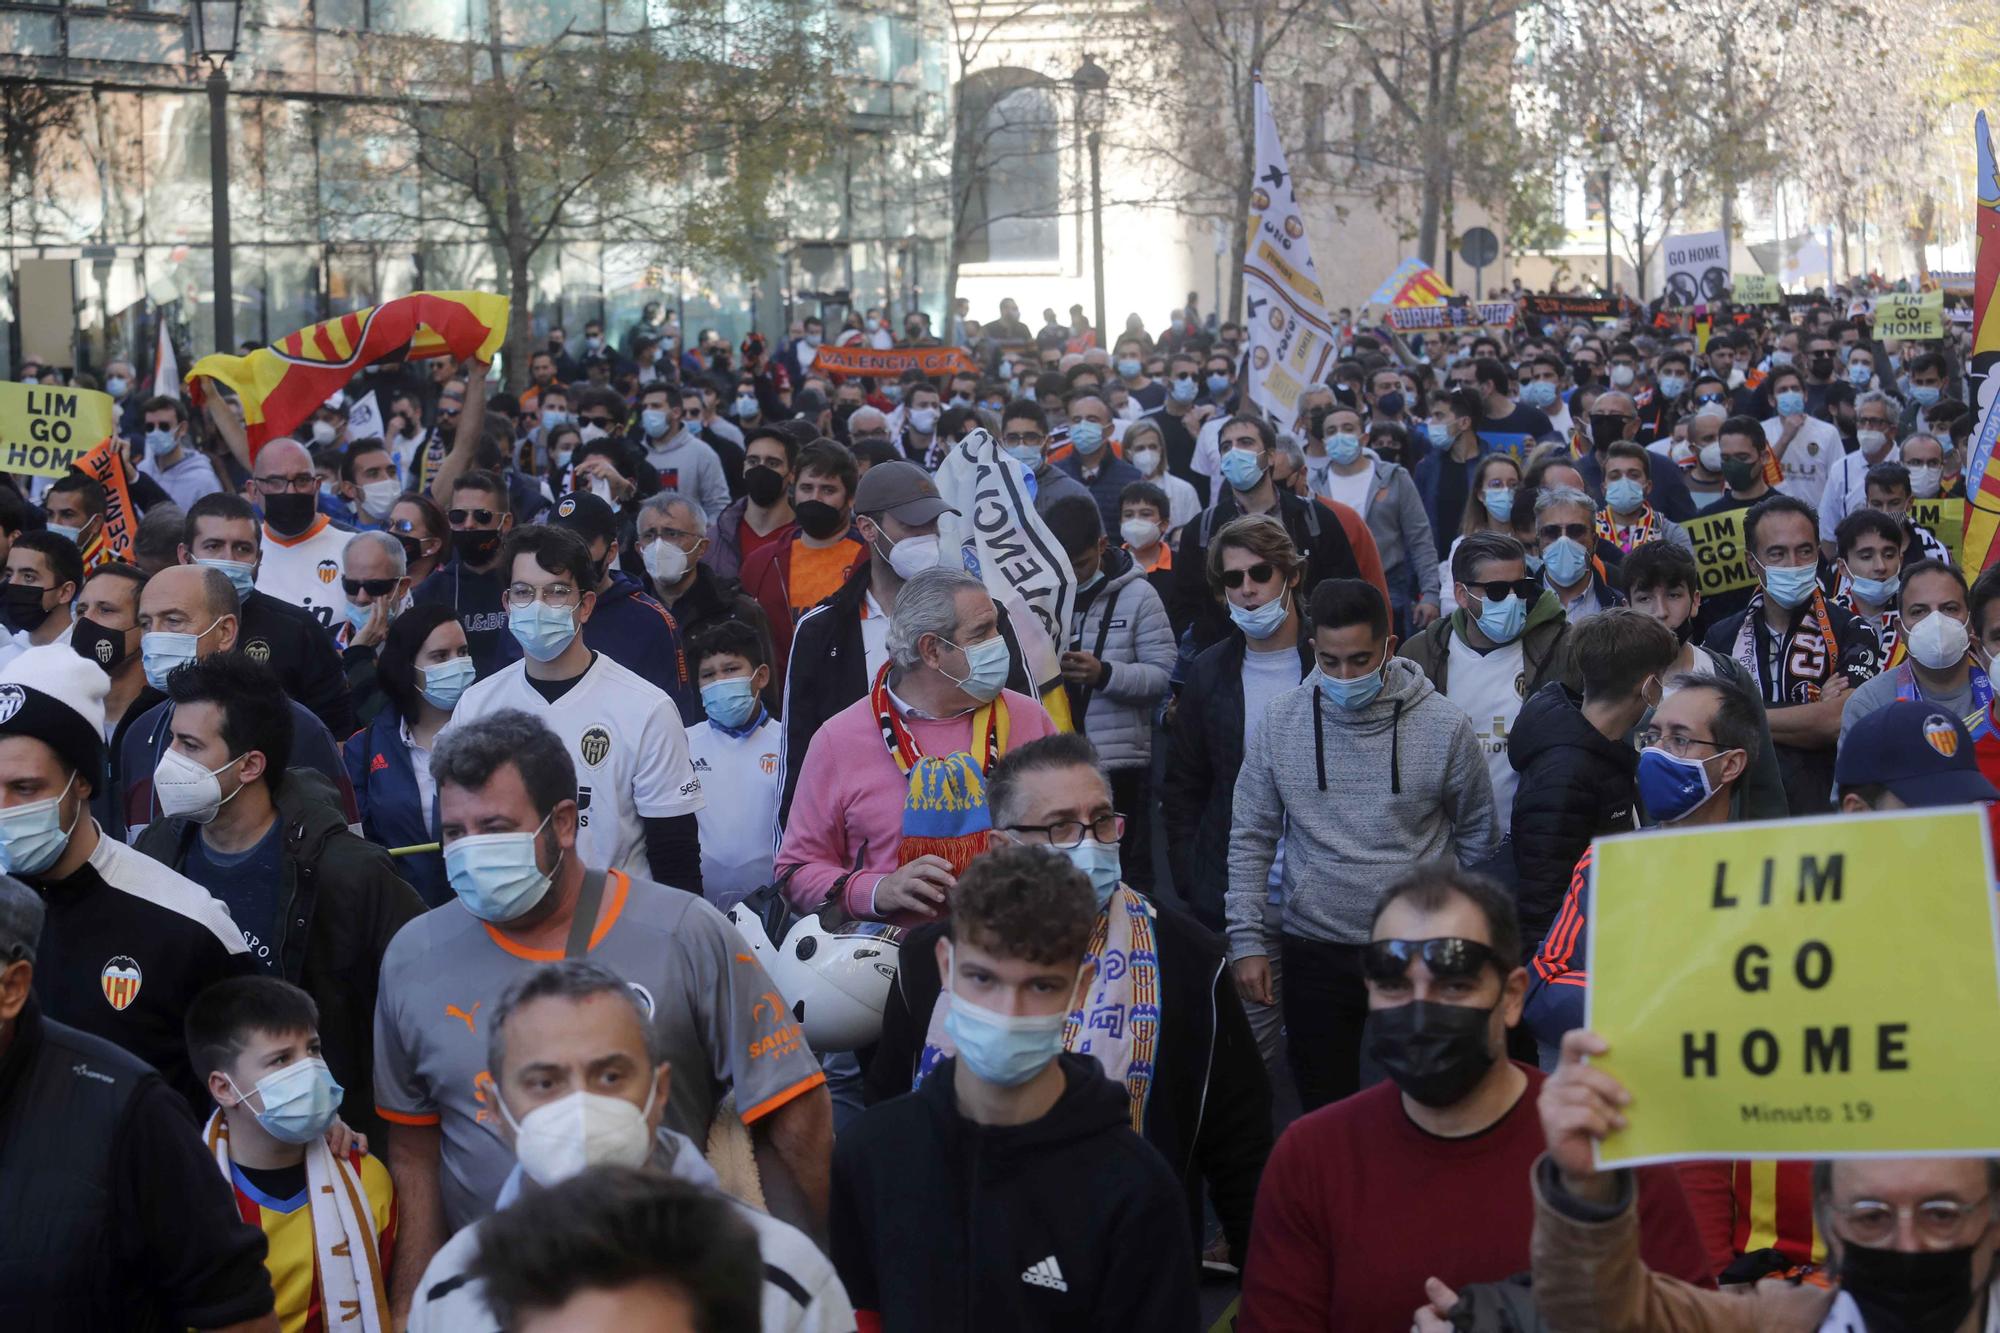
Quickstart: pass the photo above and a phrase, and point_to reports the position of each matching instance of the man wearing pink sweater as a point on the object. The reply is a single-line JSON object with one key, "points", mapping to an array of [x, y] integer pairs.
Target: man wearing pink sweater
{"points": [[891, 802]]}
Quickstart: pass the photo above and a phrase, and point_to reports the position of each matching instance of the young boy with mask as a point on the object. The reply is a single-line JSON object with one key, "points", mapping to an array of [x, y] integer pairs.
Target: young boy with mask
{"points": [[330, 1221], [735, 754], [958, 1205]]}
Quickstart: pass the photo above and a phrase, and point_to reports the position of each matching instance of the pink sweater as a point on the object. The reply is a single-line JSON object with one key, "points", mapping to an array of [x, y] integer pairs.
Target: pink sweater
{"points": [[848, 810]]}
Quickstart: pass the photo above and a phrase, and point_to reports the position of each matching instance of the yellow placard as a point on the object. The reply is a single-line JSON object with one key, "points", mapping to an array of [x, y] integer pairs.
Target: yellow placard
{"points": [[1756, 289], [1944, 516], [1919, 316], [1807, 988], [1718, 551], [44, 430]]}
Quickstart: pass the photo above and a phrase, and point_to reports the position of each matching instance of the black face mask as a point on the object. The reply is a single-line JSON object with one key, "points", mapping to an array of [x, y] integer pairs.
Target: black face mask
{"points": [[1738, 475], [476, 546], [1316, 422], [413, 550], [1822, 367], [1685, 630], [94, 643], [288, 515], [1390, 404], [21, 607], [1929, 1291], [1437, 1053], [763, 485], [1606, 431], [1585, 376], [818, 519]]}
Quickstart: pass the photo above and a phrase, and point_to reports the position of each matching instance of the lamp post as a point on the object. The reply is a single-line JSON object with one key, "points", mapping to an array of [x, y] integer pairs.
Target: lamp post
{"points": [[1090, 82], [1606, 142], [218, 25]]}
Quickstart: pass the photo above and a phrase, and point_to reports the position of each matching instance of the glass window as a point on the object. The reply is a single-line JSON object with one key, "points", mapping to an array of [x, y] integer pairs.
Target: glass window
{"points": [[447, 19], [123, 39], [291, 290], [367, 176], [175, 166], [1016, 169], [358, 276], [23, 34], [348, 14]]}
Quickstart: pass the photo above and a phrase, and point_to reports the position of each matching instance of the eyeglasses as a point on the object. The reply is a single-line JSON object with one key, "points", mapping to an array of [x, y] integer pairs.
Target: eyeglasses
{"points": [[1067, 833], [1498, 589], [1182, 375], [296, 483], [1673, 743], [1260, 572], [671, 534], [555, 594], [373, 587], [1576, 532], [602, 419], [1446, 958], [1872, 1222], [1029, 441]]}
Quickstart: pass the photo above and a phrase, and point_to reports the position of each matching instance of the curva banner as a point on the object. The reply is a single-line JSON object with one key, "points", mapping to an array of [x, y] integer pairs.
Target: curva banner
{"points": [[891, 362]]}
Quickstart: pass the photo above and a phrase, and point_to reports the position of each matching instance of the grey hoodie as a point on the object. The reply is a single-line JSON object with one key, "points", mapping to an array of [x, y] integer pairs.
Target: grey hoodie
{"points": [[1381, 789]]}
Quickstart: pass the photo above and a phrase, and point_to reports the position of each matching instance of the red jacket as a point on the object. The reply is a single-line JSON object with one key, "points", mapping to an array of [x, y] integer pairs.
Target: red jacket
{"points": [[767, 580]]}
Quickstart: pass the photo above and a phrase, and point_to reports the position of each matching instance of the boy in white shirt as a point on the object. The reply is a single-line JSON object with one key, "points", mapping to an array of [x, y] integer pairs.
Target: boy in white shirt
{"points": [[736, 757]]}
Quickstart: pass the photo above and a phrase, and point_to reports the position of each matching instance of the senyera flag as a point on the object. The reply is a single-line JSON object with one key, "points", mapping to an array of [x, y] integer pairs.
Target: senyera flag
{"points": [[281, 385]]}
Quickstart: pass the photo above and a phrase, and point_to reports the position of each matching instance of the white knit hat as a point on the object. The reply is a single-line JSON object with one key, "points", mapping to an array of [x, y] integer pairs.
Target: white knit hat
{"points": [[53, 694]]}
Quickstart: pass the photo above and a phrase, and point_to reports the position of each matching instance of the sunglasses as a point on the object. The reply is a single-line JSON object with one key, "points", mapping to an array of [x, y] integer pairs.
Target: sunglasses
{"points": [[373, 587], [1260, 572], [458, 518], [1576, 532], [1447, 959], [1496, 591]]}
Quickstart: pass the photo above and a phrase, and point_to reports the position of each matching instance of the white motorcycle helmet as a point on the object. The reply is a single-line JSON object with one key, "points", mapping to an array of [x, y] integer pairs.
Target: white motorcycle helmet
{"points": [[836, 980]]}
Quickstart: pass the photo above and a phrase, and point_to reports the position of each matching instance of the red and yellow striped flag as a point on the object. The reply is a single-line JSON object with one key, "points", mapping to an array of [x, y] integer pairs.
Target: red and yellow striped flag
{"points": [[281, 385]]}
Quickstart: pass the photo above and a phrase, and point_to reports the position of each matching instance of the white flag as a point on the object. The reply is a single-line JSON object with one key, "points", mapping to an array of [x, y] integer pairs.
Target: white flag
{"points": [[166, 370], [1000, 538], [1291, 340], [364, 419]]}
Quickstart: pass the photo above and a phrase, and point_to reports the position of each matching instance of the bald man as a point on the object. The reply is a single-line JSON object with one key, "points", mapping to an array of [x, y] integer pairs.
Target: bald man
{"points": [[186, 613], [302, 547]]}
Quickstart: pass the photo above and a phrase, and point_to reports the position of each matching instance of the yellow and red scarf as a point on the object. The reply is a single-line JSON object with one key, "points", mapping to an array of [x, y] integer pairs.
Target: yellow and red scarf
{"points": [[944, 806]]}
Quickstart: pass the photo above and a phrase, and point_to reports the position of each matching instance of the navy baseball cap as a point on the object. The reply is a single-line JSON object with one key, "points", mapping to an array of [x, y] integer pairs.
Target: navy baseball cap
{"points": [[1919, 751], [587, 516]]}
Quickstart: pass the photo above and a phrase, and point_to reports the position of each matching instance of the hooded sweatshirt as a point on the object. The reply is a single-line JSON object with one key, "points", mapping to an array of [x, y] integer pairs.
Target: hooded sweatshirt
{"points": [[941, 1223], [639, 634], [1359, 796]]}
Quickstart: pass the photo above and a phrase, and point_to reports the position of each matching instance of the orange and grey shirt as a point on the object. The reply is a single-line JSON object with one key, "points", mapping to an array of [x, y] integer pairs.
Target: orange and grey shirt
{"points": [[719, 1019]]}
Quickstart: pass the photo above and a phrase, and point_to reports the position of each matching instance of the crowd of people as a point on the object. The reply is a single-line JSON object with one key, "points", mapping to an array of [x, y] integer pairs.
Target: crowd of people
{"points": [[592, 856]]}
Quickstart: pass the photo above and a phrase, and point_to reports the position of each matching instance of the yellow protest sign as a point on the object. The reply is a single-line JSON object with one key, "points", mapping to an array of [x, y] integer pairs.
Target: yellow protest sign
{"points": [[1918, 315], [1799, 989], [1718, 551], [44, 430], [1756, 289], [1944, 516]]}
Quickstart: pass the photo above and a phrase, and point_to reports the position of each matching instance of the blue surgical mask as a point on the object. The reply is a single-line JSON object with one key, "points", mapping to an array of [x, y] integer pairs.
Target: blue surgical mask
{"points": [[1534, 563], [554, 416], [1242, 468], [562, 458], [1183, 391], [242, 576], [1027, 455], [1261, 622], [65, 531], [729, 703], [300, 1100], [1671, 787], [357, 616], [1876, 592], [1128, 369], [746, 406], [1440, 435], [159, 442], [1565, 560], [1351, 694], [654, 422], [542, 631], [1926, 395], [1087, 436], [1538, 393], [986, 665], [1218, 384], [1099, 863], [32, 836], [1791, 402], [496, 875], [1673, 386], [1790, 585], [1499, 502], [162, 651], [446, 682], [1503, 621], [1007, 1049], [1343, 448], [1858, 375], [116, 385], [1624, 495]]}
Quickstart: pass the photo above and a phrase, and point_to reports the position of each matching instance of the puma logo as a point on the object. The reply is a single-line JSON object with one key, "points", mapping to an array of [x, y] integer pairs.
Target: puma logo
{"points": [[453, 1011]]}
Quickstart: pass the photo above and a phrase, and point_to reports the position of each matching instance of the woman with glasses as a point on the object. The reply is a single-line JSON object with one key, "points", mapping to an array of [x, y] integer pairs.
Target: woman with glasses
{"points": [[1145, 448], [421, 671], [1489, 507], [418, 524]]}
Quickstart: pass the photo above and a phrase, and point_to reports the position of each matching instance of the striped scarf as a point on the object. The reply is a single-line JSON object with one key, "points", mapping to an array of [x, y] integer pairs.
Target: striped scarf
{"points": [[944, 804]]}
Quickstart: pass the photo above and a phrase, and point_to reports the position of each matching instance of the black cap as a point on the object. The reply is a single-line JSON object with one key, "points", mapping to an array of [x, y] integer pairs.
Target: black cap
{"points": [[587, 516]]}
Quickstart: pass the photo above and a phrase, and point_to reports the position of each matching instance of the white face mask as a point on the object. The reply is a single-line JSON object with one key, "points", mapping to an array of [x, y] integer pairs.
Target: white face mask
{"points": [[913, 555], [1145, 460], [1938, 641], [186, 790], [666, 562], [562, 1138], [379, 497], [1924, 480]]}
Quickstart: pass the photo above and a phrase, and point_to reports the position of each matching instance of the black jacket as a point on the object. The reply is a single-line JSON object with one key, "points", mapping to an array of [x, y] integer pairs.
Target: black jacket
{"points": [[1069, 1222], [1209, 1112], [291, 642], [828, 670], [341, 902], [707, 603], [1316, 532], [1575, 786], [1200, 790]]}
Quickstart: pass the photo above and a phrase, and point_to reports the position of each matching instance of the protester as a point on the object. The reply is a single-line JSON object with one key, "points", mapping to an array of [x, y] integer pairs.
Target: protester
{"points": [[298, 541], [1027, 434], [424, 532], [1804, 446], [99, 1158], [74, 508], [171, 459], [626, 624], [670, 543], [1437, 798], [1145, 449], [107, 633], [1889, 492], [1845, 493], [1001, 1133], [815, 560], [472, 582], [735, 754], [43, 574], [374, 576], [764, 515], [1628, 518], [1934, 614], [1574, 570], [1489, 507]]}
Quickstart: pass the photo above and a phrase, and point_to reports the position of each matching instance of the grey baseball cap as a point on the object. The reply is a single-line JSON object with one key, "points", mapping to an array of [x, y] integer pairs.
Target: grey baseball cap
{"points": [[20, 920], [903, 491]]}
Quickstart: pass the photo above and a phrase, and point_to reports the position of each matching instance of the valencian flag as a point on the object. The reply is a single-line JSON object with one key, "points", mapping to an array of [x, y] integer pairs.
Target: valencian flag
{"points": [[281, 385], [1982, 470], [1292, 343]]}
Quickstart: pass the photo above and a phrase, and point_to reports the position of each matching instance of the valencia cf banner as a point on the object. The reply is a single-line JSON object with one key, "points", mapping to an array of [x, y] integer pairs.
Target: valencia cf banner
{"points": [[889, 363], [282, 384]]}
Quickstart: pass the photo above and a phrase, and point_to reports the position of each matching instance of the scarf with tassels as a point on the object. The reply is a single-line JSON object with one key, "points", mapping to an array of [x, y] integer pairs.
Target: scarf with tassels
{"points": [[944, 805], [353, 1289]]}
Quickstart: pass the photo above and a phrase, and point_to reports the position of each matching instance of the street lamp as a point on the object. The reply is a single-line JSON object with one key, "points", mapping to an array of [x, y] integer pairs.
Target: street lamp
{"points": [[218, 25], [1091, 82], [1607, 140]]}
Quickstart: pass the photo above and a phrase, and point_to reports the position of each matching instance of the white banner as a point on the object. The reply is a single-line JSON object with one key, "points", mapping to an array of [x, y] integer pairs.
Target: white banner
{"points": [[1697, 268], [999, 537], [364, 419], [1291, 340], [166, 370]]}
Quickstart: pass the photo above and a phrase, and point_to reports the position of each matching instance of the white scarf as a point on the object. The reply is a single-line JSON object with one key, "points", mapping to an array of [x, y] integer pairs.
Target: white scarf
{"points": [[349, 1264]]}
